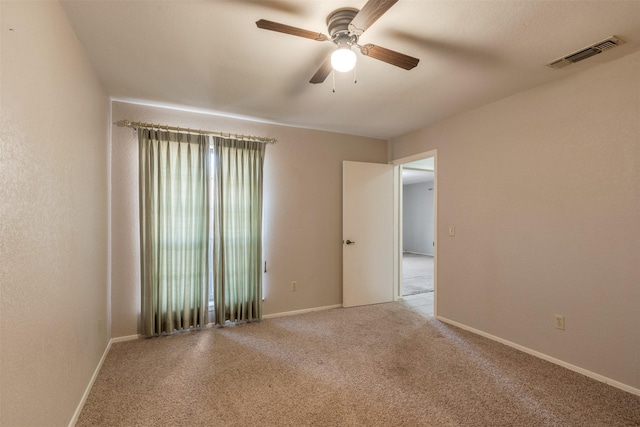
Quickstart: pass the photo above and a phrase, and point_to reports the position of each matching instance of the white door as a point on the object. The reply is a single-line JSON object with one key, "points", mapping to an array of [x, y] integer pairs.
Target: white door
{"points": [[367, 227]]}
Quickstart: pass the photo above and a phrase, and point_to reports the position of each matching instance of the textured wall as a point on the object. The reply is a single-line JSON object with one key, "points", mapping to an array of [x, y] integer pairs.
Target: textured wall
{"points": [[302, 209], [53, 221], [417, 218], [544, 190]]}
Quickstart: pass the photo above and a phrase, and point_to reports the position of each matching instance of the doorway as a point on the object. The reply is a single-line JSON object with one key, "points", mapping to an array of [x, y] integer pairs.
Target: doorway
{"points": [[416, 244]]}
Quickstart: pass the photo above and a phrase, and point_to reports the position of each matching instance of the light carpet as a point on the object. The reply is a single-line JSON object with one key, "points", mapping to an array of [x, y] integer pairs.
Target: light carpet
{"points": [[380, 365], [417, 274]]}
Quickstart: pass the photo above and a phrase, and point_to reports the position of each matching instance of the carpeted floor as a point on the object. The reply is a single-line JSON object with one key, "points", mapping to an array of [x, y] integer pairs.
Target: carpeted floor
{"points": [[380, 365], [417, 274]]}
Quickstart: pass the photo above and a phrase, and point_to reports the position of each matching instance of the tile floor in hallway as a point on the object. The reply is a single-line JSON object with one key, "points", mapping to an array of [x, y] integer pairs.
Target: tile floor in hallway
{"points": [[421, 303]]}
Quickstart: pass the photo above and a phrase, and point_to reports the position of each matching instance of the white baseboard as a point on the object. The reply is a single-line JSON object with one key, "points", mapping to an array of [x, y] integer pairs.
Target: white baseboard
{"points": [[305, 310], [597, 377], [76, 414], [125, 338], [417, 253]]}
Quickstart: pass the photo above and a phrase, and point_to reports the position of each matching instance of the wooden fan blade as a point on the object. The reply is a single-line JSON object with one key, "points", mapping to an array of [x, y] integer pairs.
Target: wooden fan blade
{"points": [[370, 13], [287, 29], [389, 56], [322, 72]]}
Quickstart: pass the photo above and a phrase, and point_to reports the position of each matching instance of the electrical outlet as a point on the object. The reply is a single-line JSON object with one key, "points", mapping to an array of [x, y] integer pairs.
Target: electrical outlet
{"points": [[294, 286], [559, 322]]}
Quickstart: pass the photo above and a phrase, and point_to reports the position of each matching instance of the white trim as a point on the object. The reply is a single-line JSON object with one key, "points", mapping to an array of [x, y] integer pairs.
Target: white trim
{"points": [[125, 338], [398, 195], [415, 157], [597, 377], [109, 215], [87, 390], [417, 253], [398, 223], [304, 310], [78, 411]]}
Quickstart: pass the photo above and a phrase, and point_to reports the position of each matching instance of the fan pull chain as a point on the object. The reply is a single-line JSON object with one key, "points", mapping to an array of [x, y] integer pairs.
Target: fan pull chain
{"points": [[355, 74], [333, 77]]}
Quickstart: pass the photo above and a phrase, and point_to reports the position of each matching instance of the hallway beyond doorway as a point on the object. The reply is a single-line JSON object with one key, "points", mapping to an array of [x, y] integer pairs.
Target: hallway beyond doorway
{"points": [[417, 274]]}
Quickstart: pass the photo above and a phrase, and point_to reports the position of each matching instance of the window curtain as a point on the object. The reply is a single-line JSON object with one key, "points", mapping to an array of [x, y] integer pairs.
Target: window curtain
{"points": [[174, 230], [237, 229]]}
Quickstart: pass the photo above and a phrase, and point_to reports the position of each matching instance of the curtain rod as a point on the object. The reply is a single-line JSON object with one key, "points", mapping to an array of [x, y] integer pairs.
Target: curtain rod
{"points": [[199, 131]]}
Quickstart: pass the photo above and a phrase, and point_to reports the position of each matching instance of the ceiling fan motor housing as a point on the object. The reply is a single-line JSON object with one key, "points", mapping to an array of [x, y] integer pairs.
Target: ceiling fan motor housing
{"points": [[338, 23]]}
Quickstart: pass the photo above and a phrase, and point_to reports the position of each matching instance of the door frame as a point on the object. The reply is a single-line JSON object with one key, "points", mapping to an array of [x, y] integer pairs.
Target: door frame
{"points": [[397, 223]]}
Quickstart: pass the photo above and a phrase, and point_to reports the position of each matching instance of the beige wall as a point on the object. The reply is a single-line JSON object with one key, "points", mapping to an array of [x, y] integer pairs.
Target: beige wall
{"points": [[544, 191], [543, 188], [53, 221], [302, 209]]}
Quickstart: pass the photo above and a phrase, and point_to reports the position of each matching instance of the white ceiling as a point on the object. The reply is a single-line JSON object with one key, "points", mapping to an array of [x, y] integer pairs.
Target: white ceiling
{"points": [[210, 56], [414, 176], [418, 171]]}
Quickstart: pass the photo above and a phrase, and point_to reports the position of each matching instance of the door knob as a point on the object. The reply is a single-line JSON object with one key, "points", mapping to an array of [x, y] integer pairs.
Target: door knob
{"points": [[350, 242]]}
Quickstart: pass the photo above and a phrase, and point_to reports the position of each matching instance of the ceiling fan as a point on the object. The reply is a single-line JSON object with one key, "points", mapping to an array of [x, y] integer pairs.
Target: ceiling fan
{"points": [[345, 27]]}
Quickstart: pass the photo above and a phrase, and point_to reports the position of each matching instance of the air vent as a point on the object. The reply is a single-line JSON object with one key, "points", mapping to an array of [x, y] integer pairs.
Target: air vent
{"points": [[586, 52]]}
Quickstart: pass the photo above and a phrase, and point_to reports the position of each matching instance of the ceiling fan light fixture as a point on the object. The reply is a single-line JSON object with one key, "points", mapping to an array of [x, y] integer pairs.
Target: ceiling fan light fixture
{"points": [[343, 59], [345, 26]]}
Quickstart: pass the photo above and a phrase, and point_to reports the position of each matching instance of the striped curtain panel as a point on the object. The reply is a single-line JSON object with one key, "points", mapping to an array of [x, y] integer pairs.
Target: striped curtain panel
{"points": [[174, 230], [237, 229]]}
